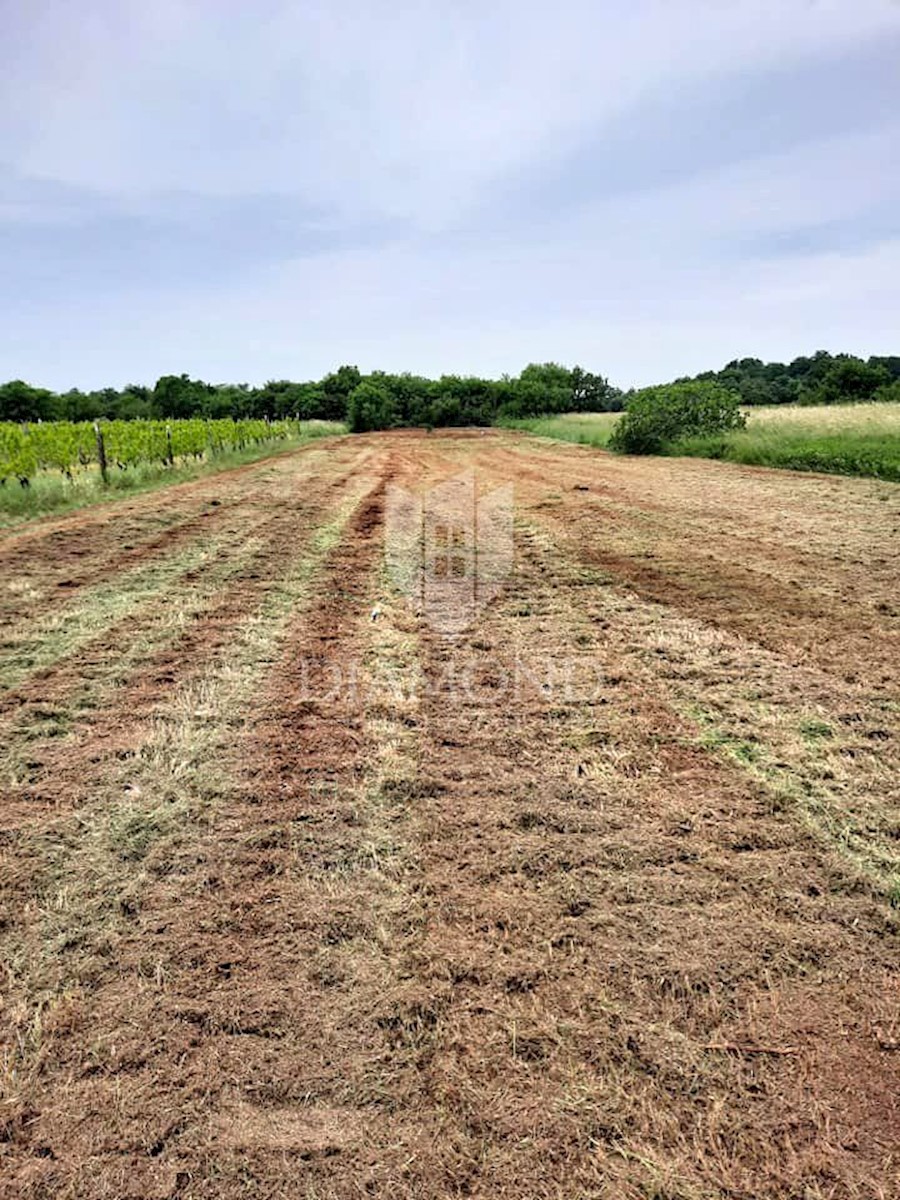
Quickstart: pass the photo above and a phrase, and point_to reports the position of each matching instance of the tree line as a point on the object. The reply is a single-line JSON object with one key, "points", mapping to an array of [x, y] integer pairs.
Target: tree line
{"points": [[378, 400], [822, 378], [381, 400]]}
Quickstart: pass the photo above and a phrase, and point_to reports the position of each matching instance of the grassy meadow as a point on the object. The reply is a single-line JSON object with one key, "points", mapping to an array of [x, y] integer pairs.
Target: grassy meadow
{"points": [[840, 439], [844, 439], [587, 429]]}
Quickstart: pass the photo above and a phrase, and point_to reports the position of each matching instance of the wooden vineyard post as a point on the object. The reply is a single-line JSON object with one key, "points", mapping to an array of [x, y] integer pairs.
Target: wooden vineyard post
{"points": [[170, 457], [101, 452]]}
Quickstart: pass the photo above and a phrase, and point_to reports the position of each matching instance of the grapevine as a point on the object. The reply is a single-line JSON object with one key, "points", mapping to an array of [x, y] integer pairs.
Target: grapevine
{"points": [[68, 446]]}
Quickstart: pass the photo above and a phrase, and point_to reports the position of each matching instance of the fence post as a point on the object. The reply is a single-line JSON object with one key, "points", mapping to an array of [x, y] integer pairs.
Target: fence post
{"points": [[101, 452]]}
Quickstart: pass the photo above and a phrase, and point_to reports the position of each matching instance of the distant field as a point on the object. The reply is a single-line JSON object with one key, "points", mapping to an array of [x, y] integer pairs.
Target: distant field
{"points": [[846, 439]]}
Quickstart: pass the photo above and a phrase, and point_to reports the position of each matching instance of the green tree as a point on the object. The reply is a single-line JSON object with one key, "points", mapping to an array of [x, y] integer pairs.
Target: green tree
{"points": [[134, 403], [76, 405], [19, 401], [593, 393], [371, 406], [656, 417], [179, 396], [545, 388], [336, 389], [889, 393], [890, 362], [847, 380]]}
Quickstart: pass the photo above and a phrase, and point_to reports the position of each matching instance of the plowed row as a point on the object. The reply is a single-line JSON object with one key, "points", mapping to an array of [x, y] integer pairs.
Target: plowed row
{"points": [[600, 899]]}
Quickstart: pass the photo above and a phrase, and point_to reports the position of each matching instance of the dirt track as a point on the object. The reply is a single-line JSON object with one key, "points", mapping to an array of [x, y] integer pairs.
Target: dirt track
{"points": [[600, 899]]}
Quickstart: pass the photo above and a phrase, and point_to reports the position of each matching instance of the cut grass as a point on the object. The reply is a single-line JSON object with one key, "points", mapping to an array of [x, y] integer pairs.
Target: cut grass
{"points": [[291, 930], [55, 718], [44, 641], [80, 876], [828, 778], [52, 492]]}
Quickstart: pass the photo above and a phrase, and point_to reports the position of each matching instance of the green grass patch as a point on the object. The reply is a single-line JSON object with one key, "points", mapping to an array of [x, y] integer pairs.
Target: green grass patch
{"points": [[814, 731], [586, 429], [860, 828]]}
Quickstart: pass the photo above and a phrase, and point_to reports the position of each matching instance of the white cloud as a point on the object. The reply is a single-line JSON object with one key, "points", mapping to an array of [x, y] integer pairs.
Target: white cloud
{"points": [[385, 105], [422, 111]]}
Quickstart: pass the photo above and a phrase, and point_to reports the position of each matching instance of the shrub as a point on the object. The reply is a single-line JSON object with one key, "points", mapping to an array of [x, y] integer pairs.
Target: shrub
{"points": [[658, 416], [371, 406], [889, 394]]}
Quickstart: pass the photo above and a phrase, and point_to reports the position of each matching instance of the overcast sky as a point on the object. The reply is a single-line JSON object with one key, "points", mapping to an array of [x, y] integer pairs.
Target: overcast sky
{"points": [[254, 190]]}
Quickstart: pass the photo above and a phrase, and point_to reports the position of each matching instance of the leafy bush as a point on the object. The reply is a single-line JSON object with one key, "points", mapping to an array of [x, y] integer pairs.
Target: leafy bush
{"points": [[658, 416], [371, 406], [889, 394]]}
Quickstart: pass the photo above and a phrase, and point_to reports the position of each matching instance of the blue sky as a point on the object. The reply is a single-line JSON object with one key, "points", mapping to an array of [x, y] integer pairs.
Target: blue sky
{"points": [[253, 191]]}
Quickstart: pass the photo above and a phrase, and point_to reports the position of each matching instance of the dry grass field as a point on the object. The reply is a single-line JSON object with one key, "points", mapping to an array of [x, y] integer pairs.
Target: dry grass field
{"points": [[600, 899], [881, 419], [840, 439]]}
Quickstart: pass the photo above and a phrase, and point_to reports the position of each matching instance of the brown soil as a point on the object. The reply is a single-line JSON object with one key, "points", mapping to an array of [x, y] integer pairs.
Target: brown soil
{"points": [[599, 899]]}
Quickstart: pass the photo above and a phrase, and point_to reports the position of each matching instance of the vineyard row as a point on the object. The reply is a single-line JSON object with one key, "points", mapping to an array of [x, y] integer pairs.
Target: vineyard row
{"points": [[69, 446]]}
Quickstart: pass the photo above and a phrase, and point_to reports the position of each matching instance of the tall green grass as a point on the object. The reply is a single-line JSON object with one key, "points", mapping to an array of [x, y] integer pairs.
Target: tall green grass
{"points": [[839, 439], [587, 429], [51, 491], [846, 439]]}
